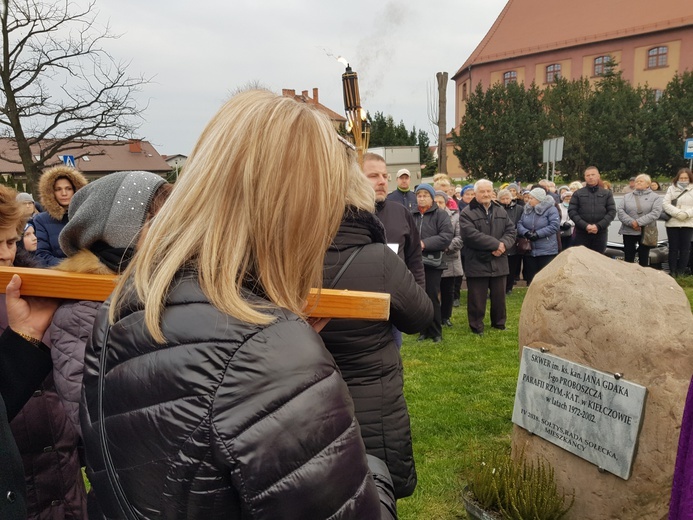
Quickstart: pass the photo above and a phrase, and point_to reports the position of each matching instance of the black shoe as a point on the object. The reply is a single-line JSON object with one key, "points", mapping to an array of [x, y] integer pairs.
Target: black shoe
{"points": [[437, 339], [422, 337], [456, 303], [499, 327], [447, 323], [478, 332]]}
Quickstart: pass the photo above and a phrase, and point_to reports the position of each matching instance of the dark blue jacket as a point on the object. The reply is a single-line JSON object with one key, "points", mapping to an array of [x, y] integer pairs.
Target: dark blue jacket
{"points": [[48, 251], [406, 198]]}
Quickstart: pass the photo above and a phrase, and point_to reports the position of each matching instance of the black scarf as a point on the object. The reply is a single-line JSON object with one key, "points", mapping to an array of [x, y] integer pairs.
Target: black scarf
{"points": [[115, 258]]}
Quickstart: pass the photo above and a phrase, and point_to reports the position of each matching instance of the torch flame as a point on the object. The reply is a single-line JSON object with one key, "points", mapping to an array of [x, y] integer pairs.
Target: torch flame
{"points": [[362, 114], [343, 61]]}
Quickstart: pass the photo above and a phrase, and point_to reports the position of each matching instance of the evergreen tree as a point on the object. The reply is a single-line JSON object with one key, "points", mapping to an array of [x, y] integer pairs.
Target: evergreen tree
{"points": [[501, 133], [615, 137], [672, 124], [566, 104]]}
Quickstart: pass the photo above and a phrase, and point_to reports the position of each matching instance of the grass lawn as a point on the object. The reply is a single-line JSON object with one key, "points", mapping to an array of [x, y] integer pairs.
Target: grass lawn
{"points": [[460, 395]]}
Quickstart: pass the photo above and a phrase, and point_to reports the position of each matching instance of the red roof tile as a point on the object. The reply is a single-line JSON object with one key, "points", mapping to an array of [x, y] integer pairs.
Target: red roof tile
{"points": [[531, 26], [95, 157]]}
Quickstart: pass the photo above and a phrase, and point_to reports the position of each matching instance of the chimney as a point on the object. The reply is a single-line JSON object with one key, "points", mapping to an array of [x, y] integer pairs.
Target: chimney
{"points": [[315, 96], [288, 92], [135, 145], [305, 95]]}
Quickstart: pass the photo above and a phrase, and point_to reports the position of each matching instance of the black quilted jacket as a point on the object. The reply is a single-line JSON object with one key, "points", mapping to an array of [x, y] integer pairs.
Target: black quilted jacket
{"points": [[365, 351], [226, 420]]}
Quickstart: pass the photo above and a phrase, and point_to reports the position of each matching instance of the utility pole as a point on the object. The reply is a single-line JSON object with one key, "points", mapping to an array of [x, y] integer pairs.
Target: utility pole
{"points": [[442, 78]]}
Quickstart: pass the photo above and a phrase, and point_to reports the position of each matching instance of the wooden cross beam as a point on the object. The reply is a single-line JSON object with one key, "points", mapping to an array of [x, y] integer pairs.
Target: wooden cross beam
{"points": [[330, 303]]}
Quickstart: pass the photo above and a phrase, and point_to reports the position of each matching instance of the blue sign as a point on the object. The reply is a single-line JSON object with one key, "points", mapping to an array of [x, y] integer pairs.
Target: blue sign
{"points": [[68, 160], [688, 149]]}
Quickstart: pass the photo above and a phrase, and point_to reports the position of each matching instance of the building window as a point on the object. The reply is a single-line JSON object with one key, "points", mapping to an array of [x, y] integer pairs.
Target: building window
{"points": [[464, 92], [602, 64], [509, 77], [553, 73], [657, 57], [658, 94]]}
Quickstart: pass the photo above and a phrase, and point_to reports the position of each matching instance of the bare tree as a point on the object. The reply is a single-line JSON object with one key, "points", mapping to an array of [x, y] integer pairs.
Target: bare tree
{"points": [[58, 84]]}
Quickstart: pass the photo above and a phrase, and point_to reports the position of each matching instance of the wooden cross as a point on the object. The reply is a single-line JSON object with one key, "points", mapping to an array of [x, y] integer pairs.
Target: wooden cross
{"points": [[328, 303]]}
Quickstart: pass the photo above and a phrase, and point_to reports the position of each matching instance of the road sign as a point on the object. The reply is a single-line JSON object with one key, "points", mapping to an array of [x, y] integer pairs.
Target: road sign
{"points": [[688, 149], [553, 150], [68, 160]]}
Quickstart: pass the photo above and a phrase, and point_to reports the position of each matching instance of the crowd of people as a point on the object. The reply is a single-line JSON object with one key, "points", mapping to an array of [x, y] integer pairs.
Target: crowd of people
{"points": [[201, 387]]}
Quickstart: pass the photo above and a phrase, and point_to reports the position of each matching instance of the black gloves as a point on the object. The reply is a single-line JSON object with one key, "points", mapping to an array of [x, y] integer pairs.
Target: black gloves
{"points": [[565, 226], [532, 235]]}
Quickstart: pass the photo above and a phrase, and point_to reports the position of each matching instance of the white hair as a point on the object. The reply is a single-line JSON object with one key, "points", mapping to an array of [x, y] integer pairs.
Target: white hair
{"points": [[482, 182]]}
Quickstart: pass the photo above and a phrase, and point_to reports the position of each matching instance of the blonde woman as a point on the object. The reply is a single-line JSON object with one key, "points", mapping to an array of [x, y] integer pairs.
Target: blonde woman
{"points": [[218, 399], [638, 208]]}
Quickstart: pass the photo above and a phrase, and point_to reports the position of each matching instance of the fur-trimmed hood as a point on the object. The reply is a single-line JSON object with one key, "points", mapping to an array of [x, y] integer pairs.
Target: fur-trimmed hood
{"points": [[45, 188], [84, 262]]}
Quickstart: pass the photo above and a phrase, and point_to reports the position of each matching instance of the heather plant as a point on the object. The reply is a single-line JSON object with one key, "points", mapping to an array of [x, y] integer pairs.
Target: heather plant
{"points": [[518, 489]]}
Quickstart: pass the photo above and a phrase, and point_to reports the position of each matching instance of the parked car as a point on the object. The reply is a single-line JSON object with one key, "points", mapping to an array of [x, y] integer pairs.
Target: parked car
{"points": [[659, 255]]}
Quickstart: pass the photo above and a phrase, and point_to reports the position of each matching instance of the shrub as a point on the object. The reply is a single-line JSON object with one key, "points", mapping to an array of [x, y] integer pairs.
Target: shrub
{"points": [[518, 489]]}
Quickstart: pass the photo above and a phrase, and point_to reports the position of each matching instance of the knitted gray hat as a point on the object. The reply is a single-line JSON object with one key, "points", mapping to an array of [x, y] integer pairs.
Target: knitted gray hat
{"points": [[24, 197], [539, 194], [111, 209]]}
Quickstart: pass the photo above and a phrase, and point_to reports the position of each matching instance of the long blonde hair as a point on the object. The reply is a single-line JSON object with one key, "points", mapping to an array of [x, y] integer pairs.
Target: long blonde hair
{"points": [[218, 222]]}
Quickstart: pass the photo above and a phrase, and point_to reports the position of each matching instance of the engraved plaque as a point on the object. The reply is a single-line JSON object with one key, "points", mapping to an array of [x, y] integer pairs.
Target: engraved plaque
{"points": [[584, 411]]}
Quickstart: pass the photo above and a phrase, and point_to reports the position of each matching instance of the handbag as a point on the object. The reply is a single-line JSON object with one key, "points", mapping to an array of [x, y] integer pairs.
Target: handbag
{"points": [[650, 235], [664, 215], [523, 245], [433, 259]]}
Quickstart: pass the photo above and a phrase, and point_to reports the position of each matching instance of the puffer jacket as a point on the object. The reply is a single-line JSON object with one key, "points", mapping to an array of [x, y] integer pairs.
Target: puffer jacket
{"points": [[650, 208], [683, 204], [51, 222], [592, 205], [68, 334], [23, 367], [482, 232], [545, 221], [365, 351], [47, 443], [451, 257], [225, 420]]}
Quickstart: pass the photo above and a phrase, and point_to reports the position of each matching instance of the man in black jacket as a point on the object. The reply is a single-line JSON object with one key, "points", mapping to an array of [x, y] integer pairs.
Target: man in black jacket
{"points": [[24, 364], [400, 228], [592, 209], [487, 233]]}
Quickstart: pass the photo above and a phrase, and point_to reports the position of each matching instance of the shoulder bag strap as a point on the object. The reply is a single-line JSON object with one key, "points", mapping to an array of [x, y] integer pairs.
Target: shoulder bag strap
{"points": [[126, 507], [345, 266]]}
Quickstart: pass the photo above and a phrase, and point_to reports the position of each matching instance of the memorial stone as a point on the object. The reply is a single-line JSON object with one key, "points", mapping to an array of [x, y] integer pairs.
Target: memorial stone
{"points": [[614, 318]]}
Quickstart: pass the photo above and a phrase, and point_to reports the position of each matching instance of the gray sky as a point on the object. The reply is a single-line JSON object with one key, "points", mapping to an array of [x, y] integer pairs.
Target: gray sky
{"points": [[200, 52]]}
